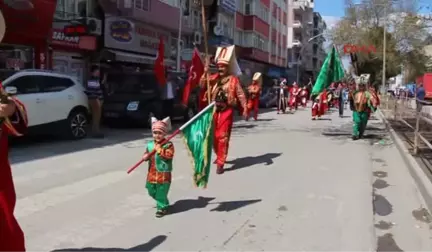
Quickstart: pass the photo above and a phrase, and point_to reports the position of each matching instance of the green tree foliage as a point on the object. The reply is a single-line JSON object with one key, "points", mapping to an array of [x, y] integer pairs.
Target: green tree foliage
{"points": [[363, 25]]}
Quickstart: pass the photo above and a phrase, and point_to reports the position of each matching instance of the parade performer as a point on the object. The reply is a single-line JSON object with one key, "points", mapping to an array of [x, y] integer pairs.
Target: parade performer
{"points": [[254, 91], [363, 102], [226, 91], [160, 165], [282, 96], [13, 122], [304, 94], [294, 96], [319, 105]]}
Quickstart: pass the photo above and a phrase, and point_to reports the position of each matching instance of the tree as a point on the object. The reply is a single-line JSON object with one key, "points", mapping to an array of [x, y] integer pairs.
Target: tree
{"points": [[363, 25]]}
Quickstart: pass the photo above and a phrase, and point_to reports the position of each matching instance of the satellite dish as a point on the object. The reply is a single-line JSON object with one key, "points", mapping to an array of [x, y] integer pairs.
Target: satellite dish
{"points": [[19, 4], [2, 26]]}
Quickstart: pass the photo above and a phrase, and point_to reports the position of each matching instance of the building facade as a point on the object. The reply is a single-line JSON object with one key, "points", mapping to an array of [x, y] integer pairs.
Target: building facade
{"points": [[300, 29], [25, 44], [132, 30], [72, 55], [261, 36], [317, 44]]}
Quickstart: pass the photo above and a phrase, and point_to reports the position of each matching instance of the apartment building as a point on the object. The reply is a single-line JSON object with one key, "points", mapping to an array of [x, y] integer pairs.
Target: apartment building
{"points": [[300, 29], [261, 36], [316, 45]]}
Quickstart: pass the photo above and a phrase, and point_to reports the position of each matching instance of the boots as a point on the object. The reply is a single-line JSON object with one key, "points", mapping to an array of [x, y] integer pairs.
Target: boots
{"points": [[219, 169]]}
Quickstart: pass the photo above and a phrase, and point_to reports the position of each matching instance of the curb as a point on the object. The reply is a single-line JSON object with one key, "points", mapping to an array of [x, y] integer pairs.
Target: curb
{"points": [[423, 183]]}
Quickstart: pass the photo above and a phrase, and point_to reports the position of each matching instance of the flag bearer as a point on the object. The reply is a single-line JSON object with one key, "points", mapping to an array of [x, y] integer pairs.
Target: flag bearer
{"points": [[226, 91], [160, 165]]}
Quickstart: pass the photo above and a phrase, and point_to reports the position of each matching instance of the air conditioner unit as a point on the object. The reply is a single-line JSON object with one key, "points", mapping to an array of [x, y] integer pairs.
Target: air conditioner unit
{"points": [[197, 38], [94, 26]]}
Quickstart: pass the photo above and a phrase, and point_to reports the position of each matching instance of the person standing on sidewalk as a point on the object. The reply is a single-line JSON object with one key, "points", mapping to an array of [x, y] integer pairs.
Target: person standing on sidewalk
{"points": [[168, 95], [95, 97]]}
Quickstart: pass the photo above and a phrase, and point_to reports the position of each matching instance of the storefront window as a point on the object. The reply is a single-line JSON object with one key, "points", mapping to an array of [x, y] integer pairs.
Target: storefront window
{"points": [[14, 58]]}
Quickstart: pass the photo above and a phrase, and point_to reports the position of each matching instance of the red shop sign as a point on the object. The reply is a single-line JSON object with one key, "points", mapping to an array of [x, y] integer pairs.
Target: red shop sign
{"points": [[349, 48]]}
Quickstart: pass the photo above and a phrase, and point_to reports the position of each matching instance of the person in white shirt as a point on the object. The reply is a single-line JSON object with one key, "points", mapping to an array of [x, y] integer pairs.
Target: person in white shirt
{"points": [[168, 95]]}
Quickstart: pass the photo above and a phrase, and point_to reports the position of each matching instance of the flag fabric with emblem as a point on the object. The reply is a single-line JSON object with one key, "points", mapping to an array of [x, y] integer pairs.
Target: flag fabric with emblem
{"points": [[331, 71], [195, 72], [159, 67], [198, 137]]}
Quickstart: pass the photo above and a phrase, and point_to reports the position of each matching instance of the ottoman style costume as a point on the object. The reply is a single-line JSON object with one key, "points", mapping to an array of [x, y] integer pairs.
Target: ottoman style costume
{"points": [[160, 167], [226, 91], [11, 234], [254, 91], [363, 103]]}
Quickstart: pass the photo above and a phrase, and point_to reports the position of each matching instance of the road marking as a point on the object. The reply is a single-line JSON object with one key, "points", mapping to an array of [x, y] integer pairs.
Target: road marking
{"points": [[94, 227], [52, 197], [32, 204]]}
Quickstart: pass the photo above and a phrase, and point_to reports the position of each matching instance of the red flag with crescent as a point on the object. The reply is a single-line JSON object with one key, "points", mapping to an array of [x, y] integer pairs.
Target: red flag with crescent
{"points": [[196, 70]]}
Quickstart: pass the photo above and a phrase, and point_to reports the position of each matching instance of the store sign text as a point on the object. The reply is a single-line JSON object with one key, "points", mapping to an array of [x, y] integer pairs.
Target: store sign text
{"points": [[149, 38], [60, 36], [349, 48]]}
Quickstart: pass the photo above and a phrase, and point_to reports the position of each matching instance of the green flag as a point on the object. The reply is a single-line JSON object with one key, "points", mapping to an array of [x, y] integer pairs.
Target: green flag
{"points": [[198, 137], [331, 71]]}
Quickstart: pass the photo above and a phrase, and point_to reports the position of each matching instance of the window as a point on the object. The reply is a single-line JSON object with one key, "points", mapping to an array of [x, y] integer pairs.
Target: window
{"points": [[55, 84], [238, 37], [248, 7], [248, 39], [69, 9], [239, 5], [142, 5], [227, 24], [196, 15], [27, 84]]}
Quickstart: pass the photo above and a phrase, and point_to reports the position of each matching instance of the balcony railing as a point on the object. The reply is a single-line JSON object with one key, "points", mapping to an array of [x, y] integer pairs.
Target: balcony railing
{"points": [[297, 24], [297, 42]]}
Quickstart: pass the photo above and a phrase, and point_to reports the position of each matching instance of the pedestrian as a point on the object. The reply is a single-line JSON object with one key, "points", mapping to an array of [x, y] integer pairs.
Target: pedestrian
{"points": [[160, 165], [168, 95], [13, 123], [340, 96], [95, 98], [420, 96]]}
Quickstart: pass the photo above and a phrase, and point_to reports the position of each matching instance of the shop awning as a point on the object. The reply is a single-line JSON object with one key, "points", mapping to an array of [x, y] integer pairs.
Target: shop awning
{"points": [[138, 58]]}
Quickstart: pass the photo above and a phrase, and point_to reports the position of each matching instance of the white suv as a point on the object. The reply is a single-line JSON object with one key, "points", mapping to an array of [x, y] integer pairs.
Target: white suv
{"points": [[55, 103]]}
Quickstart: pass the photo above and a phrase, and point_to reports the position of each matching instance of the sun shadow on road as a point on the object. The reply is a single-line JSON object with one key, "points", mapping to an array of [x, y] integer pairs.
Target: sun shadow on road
{"points": [[245, 126], [202, 202], [148, 246], [239, 163], [48, 147]]}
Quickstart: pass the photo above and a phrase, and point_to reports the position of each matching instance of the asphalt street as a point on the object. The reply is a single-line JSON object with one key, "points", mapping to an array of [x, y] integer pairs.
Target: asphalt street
{"points": [[291, 184]]}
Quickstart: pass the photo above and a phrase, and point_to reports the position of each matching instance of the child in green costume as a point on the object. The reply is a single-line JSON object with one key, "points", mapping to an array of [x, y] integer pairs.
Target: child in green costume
{"points": [[160, 165]]}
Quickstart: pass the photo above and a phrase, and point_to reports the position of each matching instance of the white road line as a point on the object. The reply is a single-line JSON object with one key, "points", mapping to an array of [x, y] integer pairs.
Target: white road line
{"points": [[92, 228], [41, 201]]}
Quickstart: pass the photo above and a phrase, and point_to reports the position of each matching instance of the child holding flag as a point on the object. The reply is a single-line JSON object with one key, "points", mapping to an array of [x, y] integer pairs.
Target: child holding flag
{"points": [[160, 165]]}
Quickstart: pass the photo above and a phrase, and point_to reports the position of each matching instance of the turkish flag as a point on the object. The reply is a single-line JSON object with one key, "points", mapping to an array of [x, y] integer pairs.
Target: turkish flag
{"points": [[195, 72], [159, 68]]}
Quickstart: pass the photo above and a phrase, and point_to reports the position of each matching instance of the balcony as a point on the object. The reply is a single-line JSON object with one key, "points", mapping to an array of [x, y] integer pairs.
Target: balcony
{"points": [[297, 43], [303, 4], [297, 24]]}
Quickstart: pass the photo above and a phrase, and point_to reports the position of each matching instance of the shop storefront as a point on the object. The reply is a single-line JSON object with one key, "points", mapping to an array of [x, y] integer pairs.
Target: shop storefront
{"points": [[135, 44], [27, 32], [70, 55]]}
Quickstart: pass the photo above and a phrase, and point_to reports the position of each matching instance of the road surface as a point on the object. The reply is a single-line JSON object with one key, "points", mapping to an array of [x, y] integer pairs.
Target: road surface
{"points": [[292, 184]]}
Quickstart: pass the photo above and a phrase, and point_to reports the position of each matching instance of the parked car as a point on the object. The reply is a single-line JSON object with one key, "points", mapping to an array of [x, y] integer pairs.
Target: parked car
{"points": [[55, 103], [135, 97]]}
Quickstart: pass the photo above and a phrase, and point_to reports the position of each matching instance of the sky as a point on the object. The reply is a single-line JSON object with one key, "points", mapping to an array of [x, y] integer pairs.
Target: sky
{"points": [[331, 13]]}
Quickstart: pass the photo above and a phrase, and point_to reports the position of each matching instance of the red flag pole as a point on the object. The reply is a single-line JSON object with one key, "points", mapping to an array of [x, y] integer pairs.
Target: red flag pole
{"points": [[175, 133]]}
